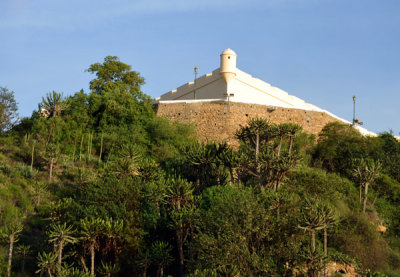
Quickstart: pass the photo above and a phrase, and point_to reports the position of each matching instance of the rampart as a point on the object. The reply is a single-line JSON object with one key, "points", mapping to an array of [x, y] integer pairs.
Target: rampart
{"points": [[219, 120]]}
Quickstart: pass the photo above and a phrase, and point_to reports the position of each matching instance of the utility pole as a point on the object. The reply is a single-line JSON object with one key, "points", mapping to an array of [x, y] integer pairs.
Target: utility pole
{"points": [[195, 80], [354, 110]]}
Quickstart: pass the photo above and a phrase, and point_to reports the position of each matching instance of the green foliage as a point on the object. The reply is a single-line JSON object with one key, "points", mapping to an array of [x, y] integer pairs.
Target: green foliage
{"points": [[268, 150], [52, 105], [97, 184], [338, 144], [8, 109], [233, 229]]}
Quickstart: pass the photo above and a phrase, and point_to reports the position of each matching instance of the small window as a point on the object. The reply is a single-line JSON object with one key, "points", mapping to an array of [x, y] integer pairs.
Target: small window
{"points": [[229, 57]]}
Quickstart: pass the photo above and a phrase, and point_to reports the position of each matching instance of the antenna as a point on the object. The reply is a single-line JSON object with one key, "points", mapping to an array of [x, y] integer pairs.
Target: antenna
{"points": [[195, 80]]}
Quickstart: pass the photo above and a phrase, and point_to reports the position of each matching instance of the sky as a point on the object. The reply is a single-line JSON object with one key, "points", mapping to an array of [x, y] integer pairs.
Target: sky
{"points": [[322, 51]]}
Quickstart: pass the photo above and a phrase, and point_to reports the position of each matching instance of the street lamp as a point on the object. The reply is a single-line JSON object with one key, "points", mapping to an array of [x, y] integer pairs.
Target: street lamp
{"points": [[355, 120], [195, 79], [354, 110]]}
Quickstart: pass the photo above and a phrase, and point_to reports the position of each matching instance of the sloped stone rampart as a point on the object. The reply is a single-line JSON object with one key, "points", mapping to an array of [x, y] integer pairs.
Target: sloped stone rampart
{"points": [[219, 120]]}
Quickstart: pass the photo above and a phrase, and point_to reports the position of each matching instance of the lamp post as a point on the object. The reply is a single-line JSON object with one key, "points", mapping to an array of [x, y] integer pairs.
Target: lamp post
{"points": [[354, 110], [195, 79]]}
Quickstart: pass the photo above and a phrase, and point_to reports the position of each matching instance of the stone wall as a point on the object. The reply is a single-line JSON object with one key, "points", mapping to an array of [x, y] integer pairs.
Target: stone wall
{"points": [[218, 120]]}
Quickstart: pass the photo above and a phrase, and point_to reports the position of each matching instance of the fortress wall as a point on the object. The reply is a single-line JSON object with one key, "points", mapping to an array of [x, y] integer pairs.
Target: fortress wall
{"points": [[218, 120]]}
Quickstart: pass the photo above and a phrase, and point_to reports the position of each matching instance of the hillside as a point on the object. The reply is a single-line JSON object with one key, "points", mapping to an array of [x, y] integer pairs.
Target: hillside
{"points": [[96, 184]]}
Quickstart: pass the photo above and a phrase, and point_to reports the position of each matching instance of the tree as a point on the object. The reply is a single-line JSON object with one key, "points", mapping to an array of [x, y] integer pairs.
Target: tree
{"points": [[338, 144], [263, 141], [46, 262], [8, 109], [91, 231], [113, 74], [116, 102], [53, 103], [311, 218], [61, 235], [255, 135], [109, 269], [230, 158], [161, 256], [366, 170], [233, 231], [202, 157], [329, 218], [11, 226], [179, 195], [23, 250], [112, 230]]}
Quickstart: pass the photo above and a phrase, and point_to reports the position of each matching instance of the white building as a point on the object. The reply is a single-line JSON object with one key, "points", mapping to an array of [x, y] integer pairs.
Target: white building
{"points": [[228, 83]]}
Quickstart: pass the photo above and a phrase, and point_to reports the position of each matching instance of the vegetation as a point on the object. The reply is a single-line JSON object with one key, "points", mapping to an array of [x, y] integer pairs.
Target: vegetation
{"points": [[94, 184]]}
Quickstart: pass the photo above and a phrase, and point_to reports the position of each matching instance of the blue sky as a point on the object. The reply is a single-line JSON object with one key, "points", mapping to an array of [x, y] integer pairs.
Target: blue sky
{"points": [[323, 51]]}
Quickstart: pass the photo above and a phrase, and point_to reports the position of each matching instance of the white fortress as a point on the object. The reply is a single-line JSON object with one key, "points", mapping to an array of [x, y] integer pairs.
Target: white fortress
{"points": [[228, 83]]}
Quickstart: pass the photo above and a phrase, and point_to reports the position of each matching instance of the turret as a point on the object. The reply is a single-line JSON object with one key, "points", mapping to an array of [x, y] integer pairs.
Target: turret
{"points": [[228, 65]]}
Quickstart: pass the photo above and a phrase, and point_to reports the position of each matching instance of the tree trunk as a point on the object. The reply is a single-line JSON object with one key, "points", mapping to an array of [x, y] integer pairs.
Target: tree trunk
{"points": [[23, 265], [88, 147], [33, 153], [279, 146], [39, 196], [313, 240], [365, 197], [92, 260], [80, 149], [290, 144], [83, 263], [360, 193], [278, 212], [49, 272], [101, 147], [217, 175], [51, 169], [232, 180], [179, 241], [10, 250], [198, 176], [60, 249], [325, 250], [257, 146], [258, 168]]}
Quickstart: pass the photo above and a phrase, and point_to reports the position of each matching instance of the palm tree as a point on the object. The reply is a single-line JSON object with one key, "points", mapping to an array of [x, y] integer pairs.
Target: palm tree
{"points": [[61, 235], [128, 164], [144, 260], [311, 218], [279, 199], [109, 269], [329, 219], [265, 140], [293, 129], [202, 157], [12, 226], [161, 256], [54, 103], [230, 159], [366, 171], [24, 251], [255, 135], [179, 194], [91, 232], [112, 230], [46, 262]]}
